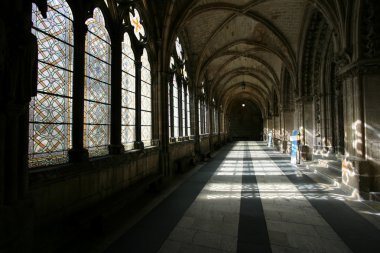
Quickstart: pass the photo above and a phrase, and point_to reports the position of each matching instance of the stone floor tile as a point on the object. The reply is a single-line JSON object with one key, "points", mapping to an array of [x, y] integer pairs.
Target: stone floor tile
{"points": [[182, 234], [170, 246], [278, 238], [207, 239]]}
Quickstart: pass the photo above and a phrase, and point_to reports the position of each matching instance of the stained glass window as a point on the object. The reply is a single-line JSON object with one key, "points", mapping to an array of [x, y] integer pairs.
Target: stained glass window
{"points": [[97, 86], [138, 28], [128, 95], [175, 107], [172, 66], [50, 117], [183, 115], [146, 101], [188, 111], [181, 105]]}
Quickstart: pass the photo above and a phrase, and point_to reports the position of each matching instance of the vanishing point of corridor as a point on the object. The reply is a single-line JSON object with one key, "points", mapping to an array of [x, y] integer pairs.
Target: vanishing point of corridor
{"points": [[249, 198]]}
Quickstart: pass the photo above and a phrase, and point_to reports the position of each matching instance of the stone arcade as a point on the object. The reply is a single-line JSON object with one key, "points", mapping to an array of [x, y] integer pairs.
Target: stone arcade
{"points": [[103, 101]]}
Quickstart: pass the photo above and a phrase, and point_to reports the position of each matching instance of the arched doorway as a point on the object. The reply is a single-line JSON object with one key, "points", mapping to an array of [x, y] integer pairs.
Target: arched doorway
{"points": [[245, 121]]}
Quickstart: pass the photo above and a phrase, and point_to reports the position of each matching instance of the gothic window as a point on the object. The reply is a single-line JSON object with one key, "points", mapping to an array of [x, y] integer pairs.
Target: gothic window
{"points": [[128, 95], [146, 101], [175, 107], [97, 86], [188, 111], [180, 96], [183, 115], [50, 117], [203, 112]]}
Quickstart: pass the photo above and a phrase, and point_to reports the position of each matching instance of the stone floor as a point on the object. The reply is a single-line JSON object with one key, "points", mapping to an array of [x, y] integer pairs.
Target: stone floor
{"points": [[249, 198]]}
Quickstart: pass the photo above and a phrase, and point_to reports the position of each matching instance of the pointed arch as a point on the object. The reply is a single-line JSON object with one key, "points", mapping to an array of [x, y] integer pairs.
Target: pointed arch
{"points": [[50, 117], [97, 95]]}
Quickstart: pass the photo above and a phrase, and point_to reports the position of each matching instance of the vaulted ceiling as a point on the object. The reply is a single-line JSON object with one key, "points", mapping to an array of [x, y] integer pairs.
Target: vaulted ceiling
{"points": [[234, 42]]}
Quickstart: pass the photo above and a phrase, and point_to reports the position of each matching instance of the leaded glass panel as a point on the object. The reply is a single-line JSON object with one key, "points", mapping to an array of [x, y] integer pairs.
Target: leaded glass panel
{"points": [[175, 107], [50, 113], [138, 28], [128, 94], [188, 111], [97, 109], [146, 101], [183, 111]]}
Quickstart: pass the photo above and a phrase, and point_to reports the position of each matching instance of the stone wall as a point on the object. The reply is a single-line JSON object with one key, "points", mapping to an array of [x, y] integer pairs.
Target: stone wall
{"points": [[179, 150], [62, 191]]}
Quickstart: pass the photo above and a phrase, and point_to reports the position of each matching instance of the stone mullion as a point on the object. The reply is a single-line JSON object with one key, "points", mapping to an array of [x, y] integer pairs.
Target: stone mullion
{"points": [[78, 153], [116, 98], [186, 115], [180, 119], [138, 66]]}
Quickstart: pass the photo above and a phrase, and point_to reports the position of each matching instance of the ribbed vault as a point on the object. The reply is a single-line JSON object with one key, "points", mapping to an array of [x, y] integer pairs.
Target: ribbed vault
{"points": [[239, 48]]}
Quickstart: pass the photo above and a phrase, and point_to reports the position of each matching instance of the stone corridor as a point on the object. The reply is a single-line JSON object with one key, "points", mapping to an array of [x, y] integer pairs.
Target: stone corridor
{"points": [[249, 198]]}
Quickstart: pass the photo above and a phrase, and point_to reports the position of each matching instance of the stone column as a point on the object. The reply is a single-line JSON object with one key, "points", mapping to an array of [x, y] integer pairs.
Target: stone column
{"points": [[288, 129], [211, 127], [165, 78], [116, 78], [308, 128], [219, 128], [138, 65], [270, 130], [197, 131], [18, 83], [171, 130], [360, 169], [186, 115], [277, 131], [78, 153], [180, 116]]}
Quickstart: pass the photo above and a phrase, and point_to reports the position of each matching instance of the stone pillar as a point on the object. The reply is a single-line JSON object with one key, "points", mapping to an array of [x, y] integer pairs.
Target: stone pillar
{"points": [[186, 115], [277, 131], [18, 83], [308, 128], [360, 168], [211, 127], [171, 130], [219, 128], [270, 131], [138, 143], [165, 78], [288, 119], [116, 78], [180, 111], [78, 153], [196, 121]]}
